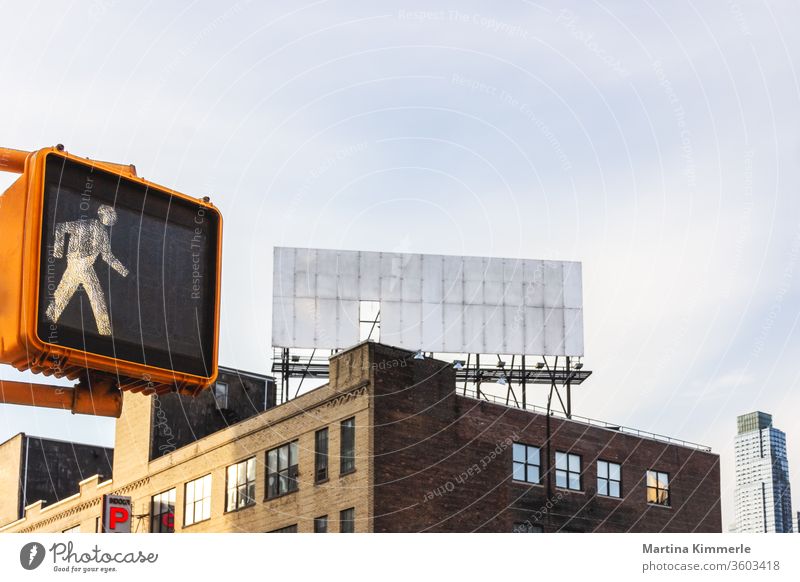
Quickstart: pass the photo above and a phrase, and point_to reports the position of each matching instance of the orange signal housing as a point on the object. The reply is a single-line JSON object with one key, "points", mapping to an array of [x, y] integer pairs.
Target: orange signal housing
{"points": [[21, 215]]}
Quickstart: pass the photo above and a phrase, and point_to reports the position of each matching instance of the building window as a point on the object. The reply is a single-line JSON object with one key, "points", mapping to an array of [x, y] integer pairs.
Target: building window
{"points": [[369, 320], [73, 529], [347, 520], [288, 529], [527, 462], [162, 512], [527, 527], [348, 444], [321, 455], [658, 488], [609, 479], [282, 470], [198, 501], [241, 485], [568, 471], [321, 524], [221, 395]]}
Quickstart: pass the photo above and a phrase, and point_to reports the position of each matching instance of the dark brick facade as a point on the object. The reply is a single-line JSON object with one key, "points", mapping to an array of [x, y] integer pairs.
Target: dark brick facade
{"points": [[181, 420], [443, 463], [51, 469]]}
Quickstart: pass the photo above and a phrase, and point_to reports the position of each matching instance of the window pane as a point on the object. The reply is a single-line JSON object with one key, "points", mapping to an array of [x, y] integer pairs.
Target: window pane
{"points": [[575, 463], [561, 478], [189, 492], [188, 514], [651, 495], [614, 489], [231, 476], [230, 501], [207, 486], [519, 453], [251, 492], [533, 456], [574, 481], [602, 486], [519, 472], [561, 461], [602, 469], [663, 481], [251, 469], [283, 458], [272, 460], [651, 479], [283, 483], [293, 453], [614, 471], [533, 474], [241, 474]]}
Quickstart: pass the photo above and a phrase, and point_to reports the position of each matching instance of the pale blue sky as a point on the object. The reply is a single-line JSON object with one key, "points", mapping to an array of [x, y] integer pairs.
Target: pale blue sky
{"points": [[656, 143]]}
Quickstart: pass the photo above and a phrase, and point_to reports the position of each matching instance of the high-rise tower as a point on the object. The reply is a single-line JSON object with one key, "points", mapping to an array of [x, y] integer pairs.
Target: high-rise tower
{"points": [[763, 494]]}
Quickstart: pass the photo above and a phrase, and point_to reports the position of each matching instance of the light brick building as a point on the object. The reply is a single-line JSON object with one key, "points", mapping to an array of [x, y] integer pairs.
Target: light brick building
{"points": [[389, 444]]}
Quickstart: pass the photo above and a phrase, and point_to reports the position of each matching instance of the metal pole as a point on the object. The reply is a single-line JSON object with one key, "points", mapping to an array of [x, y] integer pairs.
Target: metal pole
{"points": [[13, 160], [569, 389]]}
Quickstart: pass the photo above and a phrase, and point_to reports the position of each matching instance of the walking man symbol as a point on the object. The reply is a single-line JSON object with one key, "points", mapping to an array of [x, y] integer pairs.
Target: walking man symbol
{"points": [[88, 239]]}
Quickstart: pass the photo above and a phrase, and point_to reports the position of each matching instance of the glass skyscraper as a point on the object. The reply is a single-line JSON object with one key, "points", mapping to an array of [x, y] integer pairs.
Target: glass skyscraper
{"points": [[763, 496]]}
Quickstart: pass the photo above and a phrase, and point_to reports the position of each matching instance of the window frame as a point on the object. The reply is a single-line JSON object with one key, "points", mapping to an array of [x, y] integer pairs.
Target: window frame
{"points": [[195, 502], [322, 519], [347, 516], [527, 527], [347, 463], [608, 479], [290, 472], [218, 384], [657, 488], [248, 483], [569, 471], [321, 458], [157, 518], [525, 465]]}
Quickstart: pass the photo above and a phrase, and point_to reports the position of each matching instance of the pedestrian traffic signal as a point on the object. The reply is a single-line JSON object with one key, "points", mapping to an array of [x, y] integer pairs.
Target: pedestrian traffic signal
{"points": [[105, 272]]}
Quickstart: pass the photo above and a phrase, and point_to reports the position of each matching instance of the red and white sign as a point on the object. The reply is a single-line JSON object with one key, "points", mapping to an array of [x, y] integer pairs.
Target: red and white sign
{"points": [[117, 510]]}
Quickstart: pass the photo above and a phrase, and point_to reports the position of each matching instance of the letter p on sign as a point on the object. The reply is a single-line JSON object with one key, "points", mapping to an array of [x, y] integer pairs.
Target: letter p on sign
{"points": [[116, 514]]}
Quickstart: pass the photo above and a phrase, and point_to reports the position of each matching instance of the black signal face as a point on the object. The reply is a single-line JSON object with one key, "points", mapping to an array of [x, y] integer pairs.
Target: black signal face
{"points": [[127, 271]]}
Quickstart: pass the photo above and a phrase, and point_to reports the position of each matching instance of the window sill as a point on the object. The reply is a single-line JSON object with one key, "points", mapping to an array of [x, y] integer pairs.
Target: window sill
{"points": [[526, 483], [568, 490], [242, 508], [661, 505], [614, 497], [281, 496], [322, 481], [345, 473], [196, 522]]}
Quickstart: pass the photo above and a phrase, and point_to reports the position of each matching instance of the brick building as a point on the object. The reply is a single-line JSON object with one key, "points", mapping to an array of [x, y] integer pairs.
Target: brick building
{"points": [[390, 445]]}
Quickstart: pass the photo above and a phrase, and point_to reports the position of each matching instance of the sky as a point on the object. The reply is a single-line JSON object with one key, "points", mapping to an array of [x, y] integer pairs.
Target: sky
{"points": [[657, 143]]}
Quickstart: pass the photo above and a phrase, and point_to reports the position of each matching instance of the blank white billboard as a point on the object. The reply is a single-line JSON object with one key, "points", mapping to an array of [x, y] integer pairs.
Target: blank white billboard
{"points": [[434, 303]]}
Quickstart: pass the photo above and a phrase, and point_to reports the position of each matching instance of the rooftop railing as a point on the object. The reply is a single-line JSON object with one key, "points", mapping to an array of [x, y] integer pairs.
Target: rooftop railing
{"points": [[504, 401]]}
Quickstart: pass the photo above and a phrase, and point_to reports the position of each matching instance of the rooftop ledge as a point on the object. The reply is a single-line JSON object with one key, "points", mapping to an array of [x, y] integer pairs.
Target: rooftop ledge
{"points": [[494, 399]]}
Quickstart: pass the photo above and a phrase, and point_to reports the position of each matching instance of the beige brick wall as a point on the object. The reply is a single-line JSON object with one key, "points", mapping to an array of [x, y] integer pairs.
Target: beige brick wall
{"points": [[10, 463], [346, 395]]}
